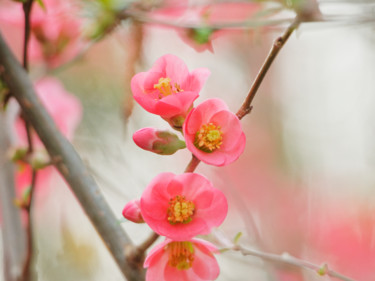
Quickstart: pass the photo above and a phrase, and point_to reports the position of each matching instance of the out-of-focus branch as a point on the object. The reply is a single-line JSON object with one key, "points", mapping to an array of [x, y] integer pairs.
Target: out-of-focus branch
{"points": [[290, 260], [12, 232], [68, 163]]}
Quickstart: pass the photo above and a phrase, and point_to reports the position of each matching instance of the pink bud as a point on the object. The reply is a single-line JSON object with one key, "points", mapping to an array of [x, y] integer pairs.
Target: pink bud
{"points": [[132, 211], [160, 142]]}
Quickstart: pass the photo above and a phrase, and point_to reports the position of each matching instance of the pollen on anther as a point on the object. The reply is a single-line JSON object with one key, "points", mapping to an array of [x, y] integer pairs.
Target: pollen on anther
{"points": [[209, 137]]}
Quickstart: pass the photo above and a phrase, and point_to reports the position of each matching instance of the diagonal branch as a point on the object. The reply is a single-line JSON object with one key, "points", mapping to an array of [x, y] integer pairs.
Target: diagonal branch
{"points": [[276, 47], [68, 163]]}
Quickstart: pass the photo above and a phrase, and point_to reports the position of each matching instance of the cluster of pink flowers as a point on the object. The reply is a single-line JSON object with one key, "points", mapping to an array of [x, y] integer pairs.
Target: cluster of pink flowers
{"points": [[66, 111], [55, 30], [181, 207]]}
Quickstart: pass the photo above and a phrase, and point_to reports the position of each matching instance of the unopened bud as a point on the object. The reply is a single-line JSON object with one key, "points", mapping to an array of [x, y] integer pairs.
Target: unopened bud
{"points": [[160, 142], [132, 211]]}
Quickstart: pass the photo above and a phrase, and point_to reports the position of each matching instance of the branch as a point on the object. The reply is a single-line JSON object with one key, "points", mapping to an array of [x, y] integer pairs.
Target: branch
{"points": [[68, 163], [290, 260], [14, 242], [276, 47]]}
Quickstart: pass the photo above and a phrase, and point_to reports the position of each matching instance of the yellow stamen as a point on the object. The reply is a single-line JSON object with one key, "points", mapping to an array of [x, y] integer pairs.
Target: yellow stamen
{"points": [[208, 138], [180, 210], [165, 87], [181, 254]]}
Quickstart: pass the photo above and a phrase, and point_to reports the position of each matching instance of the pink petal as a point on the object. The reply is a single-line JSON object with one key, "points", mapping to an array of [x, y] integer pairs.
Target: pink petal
{"points": [[196, 79], [173, 274], [210, 107], [205, 265], [157, 266], [192, 125]]}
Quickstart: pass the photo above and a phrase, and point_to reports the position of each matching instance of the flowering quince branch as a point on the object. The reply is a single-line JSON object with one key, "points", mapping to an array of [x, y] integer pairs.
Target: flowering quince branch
{"points": [[286, 258], [276, 47], [27, 273], [70, 166]]}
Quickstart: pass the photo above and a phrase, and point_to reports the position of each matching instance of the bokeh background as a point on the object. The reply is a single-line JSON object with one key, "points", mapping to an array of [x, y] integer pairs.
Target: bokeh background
{"points": [[305, 183]]}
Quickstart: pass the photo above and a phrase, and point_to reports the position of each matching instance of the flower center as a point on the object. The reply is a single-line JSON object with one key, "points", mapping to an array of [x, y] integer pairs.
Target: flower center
{"points": [[165, 87], [181, 254], [208, 138], [180, 210]]}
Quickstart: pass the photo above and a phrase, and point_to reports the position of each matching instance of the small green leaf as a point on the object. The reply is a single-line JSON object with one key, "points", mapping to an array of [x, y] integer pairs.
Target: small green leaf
{"points": [[201, 35], [323, 270], [26, 194], [121, 220], [41, 4], [237, 237]]}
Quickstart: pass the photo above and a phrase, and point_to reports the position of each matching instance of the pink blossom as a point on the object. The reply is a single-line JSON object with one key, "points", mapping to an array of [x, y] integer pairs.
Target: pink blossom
{"points": [[190, 260], [132, 211], [203, 16], [55, 30], [345, 240], [182, 206], [168, 89], [160, 142], [66, 111], [214, 134]]}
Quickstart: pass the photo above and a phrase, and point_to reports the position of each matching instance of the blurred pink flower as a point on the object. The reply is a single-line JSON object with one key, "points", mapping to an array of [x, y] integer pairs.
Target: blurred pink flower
{"points": [[160, 142], [214, 134], [191, 260], [182, 206], [55, 30], [132, 211], [345, 241], [168, 89], [215, 14], [66, 111]]}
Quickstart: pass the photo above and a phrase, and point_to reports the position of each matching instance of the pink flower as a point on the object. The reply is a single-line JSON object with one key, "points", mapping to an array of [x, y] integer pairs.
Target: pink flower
{"points": [[214, 134], [65, 109], [214, 14], [55, 30], [168, 89], [160, 142], [182, 206], [132, 211], [190, 260]]}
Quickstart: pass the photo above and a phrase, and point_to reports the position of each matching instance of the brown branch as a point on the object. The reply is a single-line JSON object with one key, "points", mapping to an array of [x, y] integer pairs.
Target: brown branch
{"points": [[71, 166], [26, 11], [27, 270], [276, 47]]}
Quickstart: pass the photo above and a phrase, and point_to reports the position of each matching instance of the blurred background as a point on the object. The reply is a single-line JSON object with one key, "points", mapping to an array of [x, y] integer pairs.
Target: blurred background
{"points": [[305, 183]]}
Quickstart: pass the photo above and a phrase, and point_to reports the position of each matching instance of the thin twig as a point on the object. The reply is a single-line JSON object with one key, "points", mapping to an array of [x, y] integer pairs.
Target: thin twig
{"points": [[290, 260], [194, 162], [71, 166], [27, 273], [146, 244], [276, 47], [27, 6], [145, 17]]}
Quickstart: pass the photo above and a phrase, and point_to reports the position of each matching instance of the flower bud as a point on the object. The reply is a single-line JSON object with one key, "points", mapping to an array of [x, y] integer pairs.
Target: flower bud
{"points": [[132, 211], [160, 142]]}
